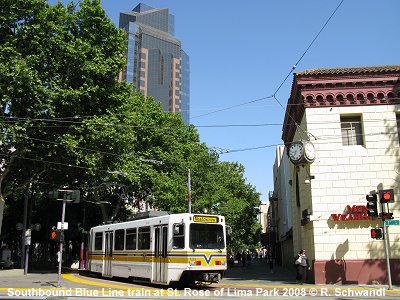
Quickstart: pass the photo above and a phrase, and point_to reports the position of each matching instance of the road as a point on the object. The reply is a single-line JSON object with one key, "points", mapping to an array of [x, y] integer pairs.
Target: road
{"points": [[252, 282]]}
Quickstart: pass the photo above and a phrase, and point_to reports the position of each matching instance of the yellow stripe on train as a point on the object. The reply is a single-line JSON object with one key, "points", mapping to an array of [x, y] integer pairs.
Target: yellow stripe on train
{"points": [[197, 259]]}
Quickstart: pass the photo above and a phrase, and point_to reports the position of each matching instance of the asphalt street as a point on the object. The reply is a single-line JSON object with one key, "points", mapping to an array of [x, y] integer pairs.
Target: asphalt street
{"points": [[251, 282]]}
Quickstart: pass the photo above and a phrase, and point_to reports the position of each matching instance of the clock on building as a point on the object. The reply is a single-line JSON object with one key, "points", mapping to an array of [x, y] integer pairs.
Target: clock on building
{"points": [[296, 152], [301, 152], [309, 152]]}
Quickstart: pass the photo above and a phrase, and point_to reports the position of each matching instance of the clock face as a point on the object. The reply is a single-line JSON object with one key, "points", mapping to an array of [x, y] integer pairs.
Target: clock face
{"points": [[296, 151], [309, 151]]}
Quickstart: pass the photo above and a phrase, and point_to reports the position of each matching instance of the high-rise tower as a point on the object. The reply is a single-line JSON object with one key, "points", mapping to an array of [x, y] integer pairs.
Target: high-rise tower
{"points": [[156, 63]]}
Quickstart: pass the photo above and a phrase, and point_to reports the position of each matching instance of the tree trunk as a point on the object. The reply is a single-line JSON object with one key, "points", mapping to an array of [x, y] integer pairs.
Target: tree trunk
{"points": [[104, 213], [2, 204]]}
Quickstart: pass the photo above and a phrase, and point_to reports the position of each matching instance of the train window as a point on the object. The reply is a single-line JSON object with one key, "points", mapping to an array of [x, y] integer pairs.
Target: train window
{"points": [[130, 239], [165, 242], [178, 237], [98, 241], [206, 236], [119, 239], [144, 238]]}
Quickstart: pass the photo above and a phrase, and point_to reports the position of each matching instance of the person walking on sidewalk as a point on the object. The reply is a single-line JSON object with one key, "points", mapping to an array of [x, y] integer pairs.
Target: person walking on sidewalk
{"points": [[271, 263], [244, 257], [302, 266]]}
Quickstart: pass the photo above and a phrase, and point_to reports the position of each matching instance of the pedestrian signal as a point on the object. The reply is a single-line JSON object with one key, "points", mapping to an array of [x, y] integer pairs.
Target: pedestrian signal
{"points": [[55, 235], [376, 233]]}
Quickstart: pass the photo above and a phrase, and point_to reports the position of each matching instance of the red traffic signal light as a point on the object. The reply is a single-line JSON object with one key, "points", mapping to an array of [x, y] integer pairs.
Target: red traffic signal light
{"points": [[386, 196], [376, 233], [55, 235]]}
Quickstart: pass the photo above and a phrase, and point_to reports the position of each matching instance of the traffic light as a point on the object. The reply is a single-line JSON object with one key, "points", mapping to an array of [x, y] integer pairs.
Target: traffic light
{"points": [[376, 233], [386, 196], [372, 205], [55, 235]]}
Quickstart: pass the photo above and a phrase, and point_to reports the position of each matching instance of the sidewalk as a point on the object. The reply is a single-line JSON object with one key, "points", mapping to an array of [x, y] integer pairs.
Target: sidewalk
{"points": [[259, 271], [258, 274]]}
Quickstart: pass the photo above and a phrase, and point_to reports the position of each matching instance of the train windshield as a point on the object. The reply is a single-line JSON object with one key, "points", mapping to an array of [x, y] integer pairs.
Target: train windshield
{"points": [[206, 236]]}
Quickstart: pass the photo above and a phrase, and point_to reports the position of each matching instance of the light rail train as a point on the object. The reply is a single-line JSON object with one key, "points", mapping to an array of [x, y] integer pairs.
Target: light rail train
{"points": [[161, 248]]}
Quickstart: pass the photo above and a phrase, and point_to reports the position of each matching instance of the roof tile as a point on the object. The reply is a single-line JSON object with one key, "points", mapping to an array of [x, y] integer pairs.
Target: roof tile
{"points": [[350, 70]]}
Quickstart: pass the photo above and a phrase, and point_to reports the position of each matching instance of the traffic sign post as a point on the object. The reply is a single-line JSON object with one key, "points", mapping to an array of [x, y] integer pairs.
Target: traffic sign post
{"points": [[386, 238], [61, 241]]}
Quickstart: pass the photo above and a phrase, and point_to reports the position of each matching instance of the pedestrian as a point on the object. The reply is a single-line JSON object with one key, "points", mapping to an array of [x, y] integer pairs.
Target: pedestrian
{"points": [[239, 257], [271, 263], [244, 257], [248, 257], [302, 266]]}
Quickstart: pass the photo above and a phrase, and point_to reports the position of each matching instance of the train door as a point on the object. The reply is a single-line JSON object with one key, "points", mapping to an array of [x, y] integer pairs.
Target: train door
{"points": [[109, 241], [160, 265]]}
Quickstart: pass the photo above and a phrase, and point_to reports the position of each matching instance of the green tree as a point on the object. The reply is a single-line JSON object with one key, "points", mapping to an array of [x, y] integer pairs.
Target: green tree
{"points": [[55, 62], [226, 192], [68, 122]]}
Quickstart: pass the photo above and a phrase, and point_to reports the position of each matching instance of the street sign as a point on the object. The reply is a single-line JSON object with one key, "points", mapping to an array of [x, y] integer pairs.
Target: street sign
{"points": [[60, 227], [28, 234], [65, 195], [392, 222]]}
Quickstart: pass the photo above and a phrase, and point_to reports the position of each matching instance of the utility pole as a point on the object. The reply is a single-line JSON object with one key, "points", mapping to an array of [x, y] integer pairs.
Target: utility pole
{"points": [[25, 226], [386, 239], [61, 242], [189, 194], [82, 255], [26, 231]]}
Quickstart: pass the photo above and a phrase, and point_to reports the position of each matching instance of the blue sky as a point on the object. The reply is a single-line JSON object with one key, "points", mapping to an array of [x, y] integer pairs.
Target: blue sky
{"points": [[242, 50]]}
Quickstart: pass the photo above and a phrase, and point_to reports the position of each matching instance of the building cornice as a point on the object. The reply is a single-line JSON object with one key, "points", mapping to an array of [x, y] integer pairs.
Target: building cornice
{"points": [[339, 87]]}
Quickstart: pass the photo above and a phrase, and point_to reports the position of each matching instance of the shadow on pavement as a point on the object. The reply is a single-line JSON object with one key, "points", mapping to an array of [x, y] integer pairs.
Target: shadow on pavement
{"points": [[258, 270]]}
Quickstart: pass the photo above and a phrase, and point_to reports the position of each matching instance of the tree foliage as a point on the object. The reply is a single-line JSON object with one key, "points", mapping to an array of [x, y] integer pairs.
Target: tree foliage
{"points": [[67, 122]]}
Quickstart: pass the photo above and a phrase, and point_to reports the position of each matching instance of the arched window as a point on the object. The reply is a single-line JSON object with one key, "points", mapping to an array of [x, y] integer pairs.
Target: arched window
{"points": [[350, 98], [340, 99], [330, 100], [360, 98], [381, 96]]}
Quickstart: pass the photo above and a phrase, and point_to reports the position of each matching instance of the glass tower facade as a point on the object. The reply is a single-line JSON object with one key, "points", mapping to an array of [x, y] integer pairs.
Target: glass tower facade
{"points": [[156, 63]]}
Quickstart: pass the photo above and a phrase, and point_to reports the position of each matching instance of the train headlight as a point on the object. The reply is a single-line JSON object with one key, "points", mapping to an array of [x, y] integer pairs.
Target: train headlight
{"points": [[192, 261]]}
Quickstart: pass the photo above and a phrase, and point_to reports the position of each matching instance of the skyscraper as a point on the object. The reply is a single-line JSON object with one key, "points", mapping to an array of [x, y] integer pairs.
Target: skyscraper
{"points": [[156, 63]]}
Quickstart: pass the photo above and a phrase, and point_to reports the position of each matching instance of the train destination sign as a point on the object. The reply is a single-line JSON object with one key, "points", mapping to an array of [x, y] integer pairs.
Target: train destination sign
{"points": [[205, 219]]}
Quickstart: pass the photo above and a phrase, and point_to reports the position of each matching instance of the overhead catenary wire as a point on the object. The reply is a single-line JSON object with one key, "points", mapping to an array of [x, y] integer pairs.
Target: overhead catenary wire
{"points": [[248, 102], [331, 138], [287, 76], [108, 124], [233, 106]]}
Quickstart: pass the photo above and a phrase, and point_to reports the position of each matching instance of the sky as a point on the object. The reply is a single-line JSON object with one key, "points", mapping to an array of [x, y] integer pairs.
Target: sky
{"points": [[242, 51]]}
